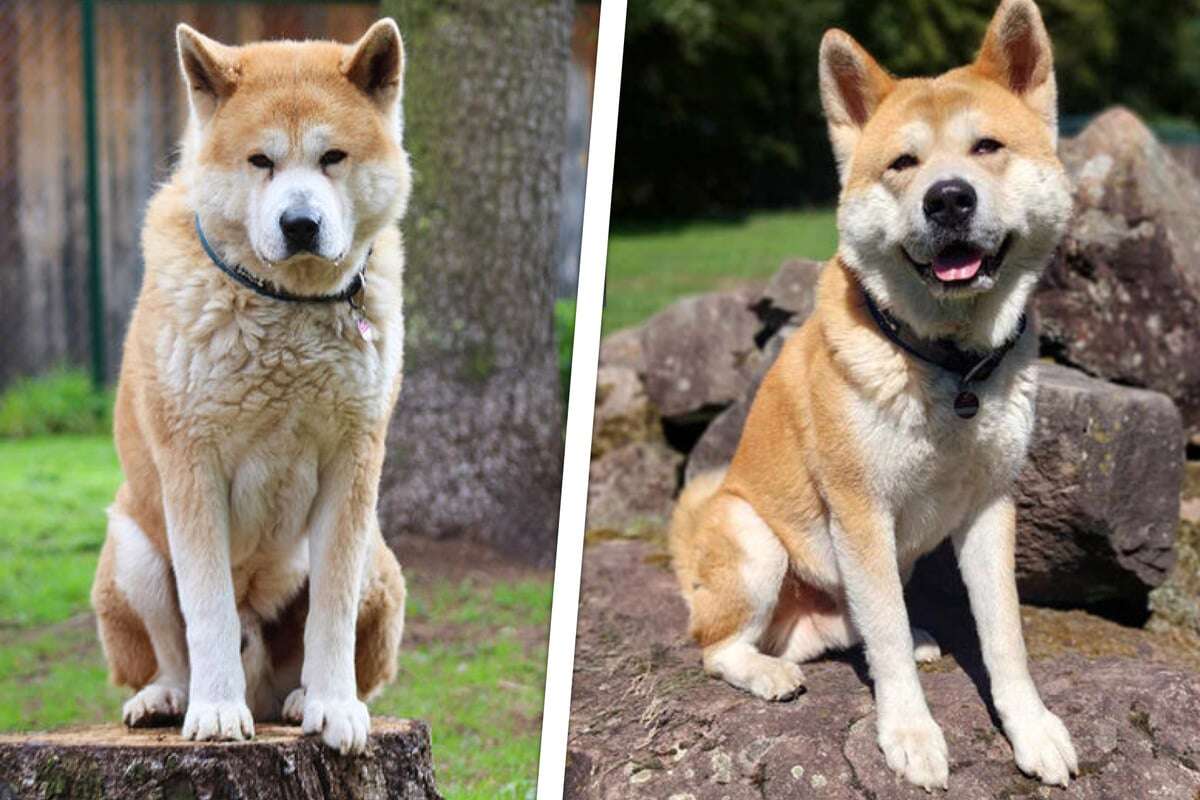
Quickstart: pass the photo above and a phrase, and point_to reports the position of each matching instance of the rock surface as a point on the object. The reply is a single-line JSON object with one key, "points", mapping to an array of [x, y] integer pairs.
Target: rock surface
{"points": [[647, 723], [1098, 500], [1122, 298], [624, 413], [697, 353], [113, 763], [632, 486]]}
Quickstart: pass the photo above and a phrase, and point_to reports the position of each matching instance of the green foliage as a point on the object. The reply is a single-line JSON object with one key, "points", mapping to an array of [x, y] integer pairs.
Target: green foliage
{"points": [[60, 401], [720, 110], [650, 266], [564, 337]]}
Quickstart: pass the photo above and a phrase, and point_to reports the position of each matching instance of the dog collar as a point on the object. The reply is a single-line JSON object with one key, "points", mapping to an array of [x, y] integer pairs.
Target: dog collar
{"points": [[349, 295], [967, 365]]}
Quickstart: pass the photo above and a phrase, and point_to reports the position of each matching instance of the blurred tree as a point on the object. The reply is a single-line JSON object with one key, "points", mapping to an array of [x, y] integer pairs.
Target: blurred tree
{"points": [[720, 111], [476, 442]]}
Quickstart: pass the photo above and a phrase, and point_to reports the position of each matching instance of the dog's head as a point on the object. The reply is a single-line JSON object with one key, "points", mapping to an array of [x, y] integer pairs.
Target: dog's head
{"points": [[953, 197], [294, 151]]}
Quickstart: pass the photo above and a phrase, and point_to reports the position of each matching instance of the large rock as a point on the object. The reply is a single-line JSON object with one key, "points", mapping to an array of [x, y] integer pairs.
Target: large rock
{"points": [[624, 414], [1122, 298], [647, 723], [1098, 502], [631, 488], [697, 353]]}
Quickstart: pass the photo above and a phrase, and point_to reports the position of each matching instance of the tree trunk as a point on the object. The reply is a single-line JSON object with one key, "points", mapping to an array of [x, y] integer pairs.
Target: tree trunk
{"points": [[475, 447], [110, 762]]}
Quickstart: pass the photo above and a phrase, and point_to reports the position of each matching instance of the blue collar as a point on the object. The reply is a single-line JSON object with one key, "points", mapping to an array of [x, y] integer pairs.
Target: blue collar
{"points": [[268, 289]]}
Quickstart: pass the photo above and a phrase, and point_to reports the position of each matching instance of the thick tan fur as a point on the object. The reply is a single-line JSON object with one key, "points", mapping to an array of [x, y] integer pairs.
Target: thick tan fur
{"points": [[852, 463], [251, 431]]}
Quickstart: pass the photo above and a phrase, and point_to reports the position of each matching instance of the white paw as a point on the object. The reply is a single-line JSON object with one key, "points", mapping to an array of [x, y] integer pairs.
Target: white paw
{"points": [[1042, 747], [293, 707], [155, 704], [343, 724], [776, 679], [916, 750], [925, 647], [218, 721]]}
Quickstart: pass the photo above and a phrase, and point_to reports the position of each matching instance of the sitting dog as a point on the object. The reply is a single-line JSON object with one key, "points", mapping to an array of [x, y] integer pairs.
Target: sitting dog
{"points": [[244, 575], [900, 413]]}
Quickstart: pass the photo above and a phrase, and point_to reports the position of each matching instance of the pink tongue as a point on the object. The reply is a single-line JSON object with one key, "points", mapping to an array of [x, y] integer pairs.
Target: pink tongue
{"points": [[960, 266]]}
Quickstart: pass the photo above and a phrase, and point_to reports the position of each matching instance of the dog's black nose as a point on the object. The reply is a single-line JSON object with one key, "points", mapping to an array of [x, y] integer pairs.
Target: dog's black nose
{"points": [[950, 204], [300, 229]]}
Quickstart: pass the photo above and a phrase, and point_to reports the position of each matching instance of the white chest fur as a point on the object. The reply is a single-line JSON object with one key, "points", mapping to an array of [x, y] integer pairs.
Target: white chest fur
{"points": [[933, 469], [276, 389]]}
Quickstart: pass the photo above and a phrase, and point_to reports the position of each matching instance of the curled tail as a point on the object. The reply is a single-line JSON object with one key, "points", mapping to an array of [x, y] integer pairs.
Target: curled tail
{"points": [[685, 521]]}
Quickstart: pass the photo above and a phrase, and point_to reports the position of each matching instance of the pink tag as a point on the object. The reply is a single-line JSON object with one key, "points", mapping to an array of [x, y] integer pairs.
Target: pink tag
{"points": [[364, 329]]}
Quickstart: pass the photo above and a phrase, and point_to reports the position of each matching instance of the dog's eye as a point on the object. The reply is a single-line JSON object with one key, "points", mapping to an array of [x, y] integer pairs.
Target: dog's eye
{"points": [[261, 161], [904, 162], [330, 157], [985, 146]]}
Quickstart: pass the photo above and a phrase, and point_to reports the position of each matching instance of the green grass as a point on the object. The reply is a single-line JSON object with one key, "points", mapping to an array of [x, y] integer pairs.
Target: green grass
{"points": [[650, 266], [480, 687], [61, 401], [53, 492], [474, 666]]}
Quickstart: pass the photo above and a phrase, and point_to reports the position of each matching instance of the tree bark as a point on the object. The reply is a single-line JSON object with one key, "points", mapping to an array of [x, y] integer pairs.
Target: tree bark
{"points": [[110, 762], [475, 447]]}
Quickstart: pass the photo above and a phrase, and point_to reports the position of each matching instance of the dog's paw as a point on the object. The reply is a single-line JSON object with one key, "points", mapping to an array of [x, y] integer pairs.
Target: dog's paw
{"points": [[155, 705], [229, 722], [925, 647], [1042, 748], [776, 679], [343, 724], [293, 707], [916, 750]]}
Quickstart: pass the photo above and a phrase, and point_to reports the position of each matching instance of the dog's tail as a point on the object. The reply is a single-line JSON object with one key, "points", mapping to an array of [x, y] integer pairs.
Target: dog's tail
{"points": [[686, 520]]}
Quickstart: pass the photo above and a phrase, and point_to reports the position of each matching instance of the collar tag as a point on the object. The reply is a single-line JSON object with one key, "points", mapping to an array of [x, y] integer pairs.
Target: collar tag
{"points": [[968, 368]]}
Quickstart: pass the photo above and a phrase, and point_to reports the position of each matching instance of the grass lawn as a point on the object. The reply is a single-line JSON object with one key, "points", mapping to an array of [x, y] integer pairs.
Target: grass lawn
{"points": [[649, 266], [473, 664]]}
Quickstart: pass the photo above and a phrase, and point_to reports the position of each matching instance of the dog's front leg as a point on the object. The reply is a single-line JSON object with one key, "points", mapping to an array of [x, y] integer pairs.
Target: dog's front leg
{"points": [[195, 498], [337, 553], [865, 547], [985, 549]]}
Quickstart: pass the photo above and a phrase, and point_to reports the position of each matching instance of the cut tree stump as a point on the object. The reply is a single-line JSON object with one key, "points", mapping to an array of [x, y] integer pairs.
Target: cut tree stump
{"points": [[114, 763]]}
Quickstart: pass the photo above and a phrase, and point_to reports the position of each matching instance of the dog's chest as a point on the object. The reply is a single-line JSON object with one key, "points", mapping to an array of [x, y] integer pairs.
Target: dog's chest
{"points": [[279, 393], [936, 469]]}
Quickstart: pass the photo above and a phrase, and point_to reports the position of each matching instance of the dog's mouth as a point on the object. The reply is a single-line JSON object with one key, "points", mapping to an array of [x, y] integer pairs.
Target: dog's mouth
{"points": [[961, 264]]}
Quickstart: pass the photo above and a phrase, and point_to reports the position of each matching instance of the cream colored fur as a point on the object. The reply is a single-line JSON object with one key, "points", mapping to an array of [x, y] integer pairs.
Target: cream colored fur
{"points": [[852, 463], [244, 568]]}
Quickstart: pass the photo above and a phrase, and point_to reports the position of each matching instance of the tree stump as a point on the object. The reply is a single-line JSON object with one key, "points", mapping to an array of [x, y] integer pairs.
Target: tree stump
{"points": [[114, 763]]}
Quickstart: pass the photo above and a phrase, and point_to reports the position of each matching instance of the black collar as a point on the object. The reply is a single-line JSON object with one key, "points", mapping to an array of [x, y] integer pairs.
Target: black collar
{"points": [[268, 289], [944, 353]]}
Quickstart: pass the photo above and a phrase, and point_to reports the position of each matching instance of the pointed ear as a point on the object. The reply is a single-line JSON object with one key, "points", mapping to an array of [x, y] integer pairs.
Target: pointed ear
{"points": [[1016, 53], [375, 63], [209, 70], [852, 87]]}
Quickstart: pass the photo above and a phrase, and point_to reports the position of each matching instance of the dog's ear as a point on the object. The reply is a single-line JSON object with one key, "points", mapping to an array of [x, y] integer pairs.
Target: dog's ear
{"points": [[209, 69], [375, 63], [852, 87], [1016, 54]]}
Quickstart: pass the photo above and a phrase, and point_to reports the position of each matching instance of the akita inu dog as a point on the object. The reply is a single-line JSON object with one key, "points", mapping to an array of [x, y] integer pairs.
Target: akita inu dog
{"points": [[244, 574], [900, 413]]}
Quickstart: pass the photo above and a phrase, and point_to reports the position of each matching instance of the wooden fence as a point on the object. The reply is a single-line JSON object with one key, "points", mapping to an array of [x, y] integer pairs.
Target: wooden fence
{"points": [[141, 109]]}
